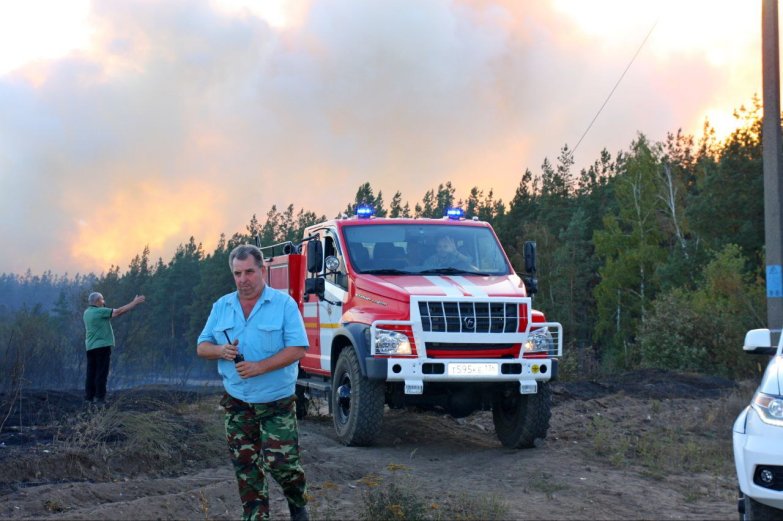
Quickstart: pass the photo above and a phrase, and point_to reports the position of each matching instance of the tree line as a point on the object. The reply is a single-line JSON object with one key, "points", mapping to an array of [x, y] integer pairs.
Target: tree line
{"points": [[653, 257]]}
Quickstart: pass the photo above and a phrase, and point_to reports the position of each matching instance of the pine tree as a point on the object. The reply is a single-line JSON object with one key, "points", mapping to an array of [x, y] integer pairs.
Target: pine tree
{"points": [[629, 246]]}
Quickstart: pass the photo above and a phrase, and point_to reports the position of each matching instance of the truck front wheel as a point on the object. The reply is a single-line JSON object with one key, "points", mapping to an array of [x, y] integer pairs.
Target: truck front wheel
{"points": [[521, 419], [357, 402]]}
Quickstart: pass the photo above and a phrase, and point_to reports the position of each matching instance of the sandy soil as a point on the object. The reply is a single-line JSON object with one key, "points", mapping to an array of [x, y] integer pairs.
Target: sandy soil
{"points": [[444, 460]]}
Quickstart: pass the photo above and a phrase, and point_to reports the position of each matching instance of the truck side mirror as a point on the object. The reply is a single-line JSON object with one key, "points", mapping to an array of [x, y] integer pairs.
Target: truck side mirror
{"points": [[315, 257], [759, 342], [531, 285], [316, 287], [530, 256]]}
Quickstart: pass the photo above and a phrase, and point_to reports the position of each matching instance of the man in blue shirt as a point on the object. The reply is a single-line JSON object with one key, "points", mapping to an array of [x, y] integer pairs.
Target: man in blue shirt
{"points": [[257, 336]]}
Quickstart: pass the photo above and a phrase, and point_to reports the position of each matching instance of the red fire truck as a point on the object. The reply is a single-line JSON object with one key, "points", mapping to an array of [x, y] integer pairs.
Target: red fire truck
{"points": [[392, 321]]}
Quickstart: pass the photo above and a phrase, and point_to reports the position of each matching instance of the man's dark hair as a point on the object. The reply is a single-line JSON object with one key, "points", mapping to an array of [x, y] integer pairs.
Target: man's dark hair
{"points": [[242, 252]]}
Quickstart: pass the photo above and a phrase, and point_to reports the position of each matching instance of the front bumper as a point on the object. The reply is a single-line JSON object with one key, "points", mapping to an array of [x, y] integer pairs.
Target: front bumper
{"points": [[414, 372], [757, 444]]}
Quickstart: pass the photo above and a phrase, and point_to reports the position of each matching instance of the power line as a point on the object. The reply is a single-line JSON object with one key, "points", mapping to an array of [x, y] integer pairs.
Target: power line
{"points": [[615, 86]]}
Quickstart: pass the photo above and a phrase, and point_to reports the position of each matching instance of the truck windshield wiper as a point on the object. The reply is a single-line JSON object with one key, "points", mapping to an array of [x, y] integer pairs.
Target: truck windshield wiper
{"points": [[451, 271], [387, 271]]}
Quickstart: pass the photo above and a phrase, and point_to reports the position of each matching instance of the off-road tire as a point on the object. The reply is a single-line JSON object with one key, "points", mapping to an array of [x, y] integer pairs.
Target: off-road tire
{"points": [[755, 511], [521, 419], [358, 419]]}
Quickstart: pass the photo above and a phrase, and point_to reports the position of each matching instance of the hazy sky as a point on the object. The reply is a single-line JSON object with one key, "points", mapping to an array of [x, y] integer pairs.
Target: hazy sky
{"points": [[126, 123]]}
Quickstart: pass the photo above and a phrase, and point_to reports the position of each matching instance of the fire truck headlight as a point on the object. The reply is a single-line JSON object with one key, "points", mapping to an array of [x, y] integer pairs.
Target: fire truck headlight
{"points": [[539, 341], [391, 343], [332, 263]]}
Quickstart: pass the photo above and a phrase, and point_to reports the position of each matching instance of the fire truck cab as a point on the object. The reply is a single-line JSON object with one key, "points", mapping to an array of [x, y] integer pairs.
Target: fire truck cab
{"points": [[418, 312]]}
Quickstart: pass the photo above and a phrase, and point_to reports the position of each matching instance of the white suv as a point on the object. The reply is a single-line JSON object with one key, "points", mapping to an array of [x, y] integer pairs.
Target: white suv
{"points": [[758, 436]]}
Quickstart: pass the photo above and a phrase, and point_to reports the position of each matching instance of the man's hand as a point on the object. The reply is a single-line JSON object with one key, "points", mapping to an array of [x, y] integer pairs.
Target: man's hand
{"points": [[283, 358], [138, 299], [249, 369], [229, 351]]}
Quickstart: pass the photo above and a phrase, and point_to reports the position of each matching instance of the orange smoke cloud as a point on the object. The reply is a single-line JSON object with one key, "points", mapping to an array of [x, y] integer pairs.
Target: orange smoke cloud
{"points": [[150, 213]]}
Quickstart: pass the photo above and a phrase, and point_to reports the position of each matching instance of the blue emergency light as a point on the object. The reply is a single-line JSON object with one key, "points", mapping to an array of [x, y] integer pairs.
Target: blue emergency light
{"points": [[364, 211], [455, 214]]}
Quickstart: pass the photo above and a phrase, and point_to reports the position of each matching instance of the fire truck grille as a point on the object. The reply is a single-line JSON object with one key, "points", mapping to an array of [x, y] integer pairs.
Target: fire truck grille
{"points": [[469, 317], [467, 347]]}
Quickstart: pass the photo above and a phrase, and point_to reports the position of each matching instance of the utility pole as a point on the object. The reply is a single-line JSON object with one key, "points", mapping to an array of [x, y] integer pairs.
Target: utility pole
{"points": [[772, 155]]}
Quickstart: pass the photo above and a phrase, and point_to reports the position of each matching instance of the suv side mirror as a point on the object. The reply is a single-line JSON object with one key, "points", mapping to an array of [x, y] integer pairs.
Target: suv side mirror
{"points": [[759, 342]]}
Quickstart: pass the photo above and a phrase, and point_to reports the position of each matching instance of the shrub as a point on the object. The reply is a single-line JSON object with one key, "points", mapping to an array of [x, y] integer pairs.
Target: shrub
{"points": [[392, 502], [703, 330], [670, 337]]}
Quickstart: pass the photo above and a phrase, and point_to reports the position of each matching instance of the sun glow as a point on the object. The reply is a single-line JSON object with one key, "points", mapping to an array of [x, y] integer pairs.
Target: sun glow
{"points": [[35, 30], [279, 14], [715, 28], [723, 35], [723, 122], [41, 29]]}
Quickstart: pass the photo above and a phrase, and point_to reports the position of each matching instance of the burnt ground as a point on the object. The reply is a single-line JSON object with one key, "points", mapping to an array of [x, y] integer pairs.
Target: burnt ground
{"points": [[645, 445]]}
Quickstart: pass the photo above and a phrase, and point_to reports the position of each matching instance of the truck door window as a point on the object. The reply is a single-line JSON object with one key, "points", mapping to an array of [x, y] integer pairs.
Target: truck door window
{"points": [[332, 247]]}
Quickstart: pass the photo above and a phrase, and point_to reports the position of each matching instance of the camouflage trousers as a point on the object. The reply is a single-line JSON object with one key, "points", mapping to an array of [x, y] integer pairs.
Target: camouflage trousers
{"points": [[264, 437]]}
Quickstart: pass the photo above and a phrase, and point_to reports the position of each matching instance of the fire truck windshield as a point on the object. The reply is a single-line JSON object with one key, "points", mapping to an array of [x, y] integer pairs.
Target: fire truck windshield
{"points": [[424, 249]]}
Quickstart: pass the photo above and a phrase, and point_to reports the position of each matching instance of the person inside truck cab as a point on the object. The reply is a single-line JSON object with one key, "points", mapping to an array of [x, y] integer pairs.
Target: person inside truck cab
{"points": [[387, 255], [448, 256]]}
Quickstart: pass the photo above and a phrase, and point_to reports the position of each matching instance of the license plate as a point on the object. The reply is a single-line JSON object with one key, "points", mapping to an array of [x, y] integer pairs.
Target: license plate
{"points": [[473, 369]]}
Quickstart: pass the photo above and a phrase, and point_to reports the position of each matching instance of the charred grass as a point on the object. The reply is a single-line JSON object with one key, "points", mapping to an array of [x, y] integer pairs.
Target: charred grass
{"points": [[52, 438], [151, 432]]}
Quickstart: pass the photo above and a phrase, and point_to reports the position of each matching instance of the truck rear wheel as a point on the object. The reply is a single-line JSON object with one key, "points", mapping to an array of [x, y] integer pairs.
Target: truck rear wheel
{"points": [[357, 402], [521, 419]]}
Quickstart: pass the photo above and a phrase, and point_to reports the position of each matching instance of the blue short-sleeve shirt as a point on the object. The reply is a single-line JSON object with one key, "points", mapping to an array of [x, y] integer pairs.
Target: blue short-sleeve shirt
{"points": [[274, 324]]}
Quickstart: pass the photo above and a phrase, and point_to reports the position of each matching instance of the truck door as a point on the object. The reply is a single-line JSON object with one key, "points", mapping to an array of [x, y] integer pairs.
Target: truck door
{"points": [[322, 316]]}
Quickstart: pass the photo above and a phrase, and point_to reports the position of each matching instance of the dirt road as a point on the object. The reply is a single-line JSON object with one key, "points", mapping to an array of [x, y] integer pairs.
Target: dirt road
{"points": [[581, 471]]}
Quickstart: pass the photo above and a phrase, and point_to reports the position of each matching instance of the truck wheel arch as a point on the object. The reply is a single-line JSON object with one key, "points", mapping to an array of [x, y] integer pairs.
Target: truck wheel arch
{"points": [[356, 336], [351, 335]]}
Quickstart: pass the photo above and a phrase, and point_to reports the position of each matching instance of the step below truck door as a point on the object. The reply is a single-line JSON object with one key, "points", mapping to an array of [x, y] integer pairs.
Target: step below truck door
{"points": [[312, 359]]}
